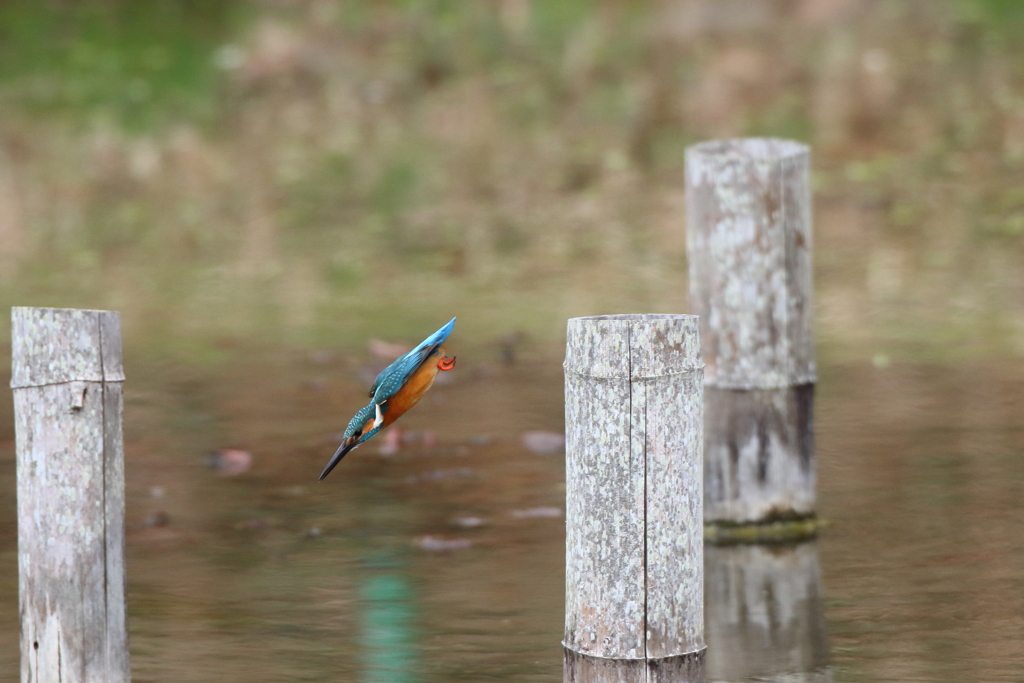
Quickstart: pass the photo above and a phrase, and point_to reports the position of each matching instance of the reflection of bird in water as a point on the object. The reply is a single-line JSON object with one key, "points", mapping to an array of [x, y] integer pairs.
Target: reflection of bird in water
{"points": [[397, 388]]}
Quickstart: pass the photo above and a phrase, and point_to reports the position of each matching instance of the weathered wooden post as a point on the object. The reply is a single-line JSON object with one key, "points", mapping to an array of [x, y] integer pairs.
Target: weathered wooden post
{"points": [[765, 609], [748, 211], [634, 605], [66, 376]]}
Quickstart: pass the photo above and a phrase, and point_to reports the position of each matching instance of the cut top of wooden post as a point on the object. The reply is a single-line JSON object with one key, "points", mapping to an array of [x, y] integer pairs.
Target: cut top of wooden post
{"points": [[55, 345], [748, 208], [632, 346]]}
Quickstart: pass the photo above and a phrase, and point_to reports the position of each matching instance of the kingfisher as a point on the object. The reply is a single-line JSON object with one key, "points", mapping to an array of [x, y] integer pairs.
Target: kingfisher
{"points": [[397, 388]]}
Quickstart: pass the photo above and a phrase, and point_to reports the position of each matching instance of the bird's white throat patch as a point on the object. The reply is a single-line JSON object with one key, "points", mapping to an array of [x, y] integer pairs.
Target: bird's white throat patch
{"points": [[379, 419]]}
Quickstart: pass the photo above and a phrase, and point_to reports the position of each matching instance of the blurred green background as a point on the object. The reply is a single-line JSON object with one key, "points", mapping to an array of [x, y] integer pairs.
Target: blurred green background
{"points": [[311, 172]]}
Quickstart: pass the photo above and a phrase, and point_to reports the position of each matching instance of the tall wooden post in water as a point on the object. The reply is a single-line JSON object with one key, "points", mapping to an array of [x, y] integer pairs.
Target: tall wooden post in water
{"points": [[66, 377], [748, 211], [634, 601]]}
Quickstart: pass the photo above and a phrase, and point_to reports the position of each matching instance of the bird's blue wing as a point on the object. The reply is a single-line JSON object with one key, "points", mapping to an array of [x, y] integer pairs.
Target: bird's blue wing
{"points": [[391, 379], [384, 373]]}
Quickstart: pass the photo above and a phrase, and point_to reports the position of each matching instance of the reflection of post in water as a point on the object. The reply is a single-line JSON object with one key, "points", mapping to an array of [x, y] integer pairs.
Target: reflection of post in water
{"points": [[764, 613]]}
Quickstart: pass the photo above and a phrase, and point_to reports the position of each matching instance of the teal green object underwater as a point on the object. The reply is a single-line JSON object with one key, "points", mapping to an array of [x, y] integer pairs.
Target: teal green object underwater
{"points": [[388, 630]]}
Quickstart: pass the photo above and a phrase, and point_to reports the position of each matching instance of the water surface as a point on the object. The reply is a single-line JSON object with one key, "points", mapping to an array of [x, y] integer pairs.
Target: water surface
{"points": [[270, 576]]}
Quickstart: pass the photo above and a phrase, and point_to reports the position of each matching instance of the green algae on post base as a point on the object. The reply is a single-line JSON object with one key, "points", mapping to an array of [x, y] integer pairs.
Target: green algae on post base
{"points": [[775, 530]]}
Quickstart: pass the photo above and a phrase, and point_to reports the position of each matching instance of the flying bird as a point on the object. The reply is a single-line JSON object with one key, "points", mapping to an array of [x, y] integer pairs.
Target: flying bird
{"points": [[397, 388]]}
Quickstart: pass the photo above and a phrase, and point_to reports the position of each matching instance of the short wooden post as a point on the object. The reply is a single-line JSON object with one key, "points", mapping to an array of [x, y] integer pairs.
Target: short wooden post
{"points": [[66, 378], [765, 613], [634, 605], [748, 210]]}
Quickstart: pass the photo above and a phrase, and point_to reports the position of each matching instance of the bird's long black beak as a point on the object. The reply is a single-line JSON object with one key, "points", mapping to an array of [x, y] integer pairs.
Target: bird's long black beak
{"points": [[335, 459]]}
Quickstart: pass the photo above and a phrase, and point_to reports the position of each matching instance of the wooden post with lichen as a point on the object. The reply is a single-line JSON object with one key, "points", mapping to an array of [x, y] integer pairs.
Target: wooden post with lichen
{"points": [[634, 603], [66, 377], [748, 210]]}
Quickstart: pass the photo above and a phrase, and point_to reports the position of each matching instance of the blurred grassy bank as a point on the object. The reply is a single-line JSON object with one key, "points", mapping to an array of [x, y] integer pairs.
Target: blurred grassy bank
{"points": [[313, 173]]}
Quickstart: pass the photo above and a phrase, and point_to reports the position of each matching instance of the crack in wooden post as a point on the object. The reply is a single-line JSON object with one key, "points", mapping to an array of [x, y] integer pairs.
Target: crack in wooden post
{"points": [[634, 533]]}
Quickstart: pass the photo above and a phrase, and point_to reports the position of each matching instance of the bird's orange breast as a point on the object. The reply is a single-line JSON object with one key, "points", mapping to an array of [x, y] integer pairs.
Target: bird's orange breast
{"points": [[412, 391]]}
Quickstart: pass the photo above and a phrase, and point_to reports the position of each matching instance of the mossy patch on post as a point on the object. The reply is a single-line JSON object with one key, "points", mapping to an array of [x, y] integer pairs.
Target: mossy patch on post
{"points": [[774, 530]]}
